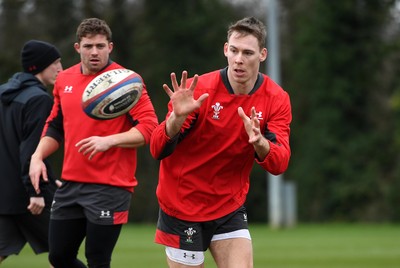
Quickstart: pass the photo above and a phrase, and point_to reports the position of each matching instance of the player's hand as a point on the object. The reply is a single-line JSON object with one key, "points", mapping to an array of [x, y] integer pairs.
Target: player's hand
{"points": [[93, 145], [58, 183], [37, 170], [181, 96], [36, 205], [251, 124]]}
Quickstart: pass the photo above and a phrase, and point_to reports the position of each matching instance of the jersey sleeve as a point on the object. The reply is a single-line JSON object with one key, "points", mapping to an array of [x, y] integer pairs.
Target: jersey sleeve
{"points": [[144, 115], [54, 124], [277, 133], [161, 145]]}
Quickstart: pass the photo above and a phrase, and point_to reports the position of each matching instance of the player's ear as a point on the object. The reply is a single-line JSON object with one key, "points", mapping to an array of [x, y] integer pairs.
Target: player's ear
{"points": [[263, 54], [77, 47], [110, 46], [225, 49]]}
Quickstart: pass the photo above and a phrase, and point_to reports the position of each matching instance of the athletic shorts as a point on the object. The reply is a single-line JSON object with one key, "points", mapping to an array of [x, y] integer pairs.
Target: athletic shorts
{"points": [[98, 203], [197, 236], [17, 230]]}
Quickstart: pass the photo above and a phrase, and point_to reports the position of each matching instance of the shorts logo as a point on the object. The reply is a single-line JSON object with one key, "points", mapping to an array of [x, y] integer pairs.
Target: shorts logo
{"points": [[245, 217], [190, 232], [105, 214], [192, 256]]}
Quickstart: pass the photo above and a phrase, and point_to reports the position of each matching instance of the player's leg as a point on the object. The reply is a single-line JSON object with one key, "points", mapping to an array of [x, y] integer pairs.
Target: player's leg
{"points": [[231, 243], [183, 241], [106, 210], [179, 258], [11, 239], [65, 238], [35, 229], [100, 243], [232, 253]]}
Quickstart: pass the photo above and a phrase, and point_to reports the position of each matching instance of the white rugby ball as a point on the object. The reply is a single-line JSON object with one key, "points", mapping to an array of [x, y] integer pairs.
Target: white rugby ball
{"points": [[112, 94]]}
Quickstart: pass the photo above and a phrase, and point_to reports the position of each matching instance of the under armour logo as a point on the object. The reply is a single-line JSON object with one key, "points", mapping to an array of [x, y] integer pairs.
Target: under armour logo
{"points": [[68, 89], [105, 214], [259, 115], [193, 256]]}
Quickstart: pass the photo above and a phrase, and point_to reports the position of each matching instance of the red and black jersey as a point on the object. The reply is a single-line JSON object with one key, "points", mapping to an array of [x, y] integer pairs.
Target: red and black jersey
{"points": [[204, 171], [68, 122]]}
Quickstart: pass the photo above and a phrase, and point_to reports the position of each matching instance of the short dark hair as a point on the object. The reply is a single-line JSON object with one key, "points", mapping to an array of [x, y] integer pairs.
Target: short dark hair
{"points": [[252, 26], [93, 26]]}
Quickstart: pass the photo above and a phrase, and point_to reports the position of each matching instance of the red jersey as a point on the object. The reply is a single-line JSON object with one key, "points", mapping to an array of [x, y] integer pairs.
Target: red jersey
{"points": [[205, 169], [116, 166]]}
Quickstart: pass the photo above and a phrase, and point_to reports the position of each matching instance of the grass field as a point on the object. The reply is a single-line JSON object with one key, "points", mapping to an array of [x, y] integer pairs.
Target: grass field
{"points": [[311, 246]]}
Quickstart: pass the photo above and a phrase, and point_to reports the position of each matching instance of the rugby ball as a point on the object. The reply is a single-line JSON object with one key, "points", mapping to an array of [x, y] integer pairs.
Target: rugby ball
{"points": [[112, 94]]}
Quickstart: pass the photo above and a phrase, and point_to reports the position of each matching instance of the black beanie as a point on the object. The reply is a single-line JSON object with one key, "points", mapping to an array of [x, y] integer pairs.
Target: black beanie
{"points": [[37, 56]]}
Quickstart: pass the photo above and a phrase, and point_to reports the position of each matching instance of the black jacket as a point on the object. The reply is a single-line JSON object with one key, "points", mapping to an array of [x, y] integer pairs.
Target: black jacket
{"points": [[24, 108]]}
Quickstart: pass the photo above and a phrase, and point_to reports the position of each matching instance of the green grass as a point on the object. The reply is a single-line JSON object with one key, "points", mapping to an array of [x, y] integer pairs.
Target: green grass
{"points": [[311, 246]]}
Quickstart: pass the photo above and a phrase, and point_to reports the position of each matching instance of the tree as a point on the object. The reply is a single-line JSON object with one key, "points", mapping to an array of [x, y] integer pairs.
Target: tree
{"points": [[344, 154]]}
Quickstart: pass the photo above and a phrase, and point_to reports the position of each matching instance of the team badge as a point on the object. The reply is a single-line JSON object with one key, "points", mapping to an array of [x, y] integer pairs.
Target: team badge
{"points": [[190, 232], [217, 107]]}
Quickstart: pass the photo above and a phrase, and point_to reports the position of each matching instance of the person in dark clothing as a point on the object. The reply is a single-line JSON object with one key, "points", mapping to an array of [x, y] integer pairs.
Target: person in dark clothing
{"points": [[25, 105]]}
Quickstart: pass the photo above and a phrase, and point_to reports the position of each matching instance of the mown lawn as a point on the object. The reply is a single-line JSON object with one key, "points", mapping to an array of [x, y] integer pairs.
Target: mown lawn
{"points": [[311, 246]]}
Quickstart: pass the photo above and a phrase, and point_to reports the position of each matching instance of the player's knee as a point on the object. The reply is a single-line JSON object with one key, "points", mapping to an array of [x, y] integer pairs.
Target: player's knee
{"points": [[57, 260], [97, 260], [64, 261]]}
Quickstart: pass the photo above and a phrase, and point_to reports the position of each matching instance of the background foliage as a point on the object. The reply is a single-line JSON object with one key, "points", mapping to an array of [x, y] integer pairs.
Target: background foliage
{"points": [[340, 61], [342, 65]]}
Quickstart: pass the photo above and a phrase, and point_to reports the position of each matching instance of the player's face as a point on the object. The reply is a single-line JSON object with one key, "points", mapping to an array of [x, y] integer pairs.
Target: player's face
{"points": [[244, 57], [95, 52], [48, 76]]}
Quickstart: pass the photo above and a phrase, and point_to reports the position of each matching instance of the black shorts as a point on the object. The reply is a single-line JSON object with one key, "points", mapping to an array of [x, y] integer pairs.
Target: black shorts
{"points": [[197, 236], [16, 230], [98, 203]]}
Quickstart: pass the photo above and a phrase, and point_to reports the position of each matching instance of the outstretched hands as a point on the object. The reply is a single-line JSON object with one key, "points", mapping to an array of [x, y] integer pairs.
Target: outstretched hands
{"points": [[181, 96], [252, 126]]}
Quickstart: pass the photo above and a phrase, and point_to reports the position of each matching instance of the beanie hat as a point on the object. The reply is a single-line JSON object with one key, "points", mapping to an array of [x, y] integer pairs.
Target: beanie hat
{"points": [[37, 56]]}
